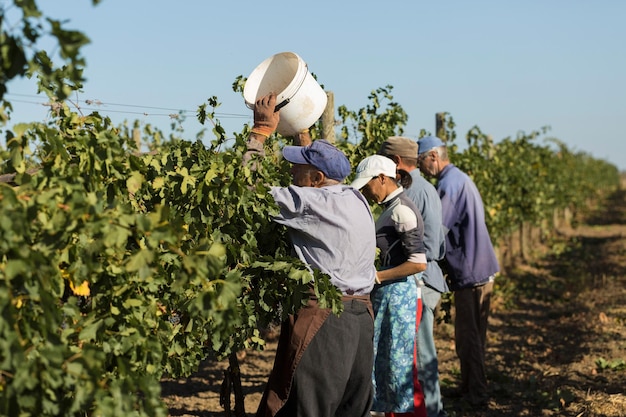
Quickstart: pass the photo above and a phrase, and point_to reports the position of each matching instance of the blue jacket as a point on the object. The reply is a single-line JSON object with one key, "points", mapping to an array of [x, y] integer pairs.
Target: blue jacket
{"points": [[470, 256]]}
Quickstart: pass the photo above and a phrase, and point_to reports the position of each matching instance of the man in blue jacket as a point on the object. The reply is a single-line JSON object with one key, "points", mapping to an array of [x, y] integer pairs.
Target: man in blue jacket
{"points": [[471, 263]]}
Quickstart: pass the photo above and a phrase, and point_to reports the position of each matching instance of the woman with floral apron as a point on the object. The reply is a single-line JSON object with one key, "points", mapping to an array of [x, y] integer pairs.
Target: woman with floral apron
{"points": [[396, 298]]}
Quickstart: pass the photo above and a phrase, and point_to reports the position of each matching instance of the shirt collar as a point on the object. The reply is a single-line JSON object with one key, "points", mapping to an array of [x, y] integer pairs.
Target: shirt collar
{"points": [[392, 195]]}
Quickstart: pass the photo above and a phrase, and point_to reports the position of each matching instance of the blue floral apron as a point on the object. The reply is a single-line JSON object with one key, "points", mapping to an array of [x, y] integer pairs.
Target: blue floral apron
{"points": [[394, 376]]}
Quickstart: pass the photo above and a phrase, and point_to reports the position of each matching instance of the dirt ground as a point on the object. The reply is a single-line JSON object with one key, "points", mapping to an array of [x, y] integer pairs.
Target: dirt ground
{"points": [[556, 341]]}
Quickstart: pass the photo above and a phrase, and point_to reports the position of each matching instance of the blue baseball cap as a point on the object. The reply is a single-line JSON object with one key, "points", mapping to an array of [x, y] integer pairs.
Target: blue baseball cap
{"points": [[323, 156], [427, 143]]}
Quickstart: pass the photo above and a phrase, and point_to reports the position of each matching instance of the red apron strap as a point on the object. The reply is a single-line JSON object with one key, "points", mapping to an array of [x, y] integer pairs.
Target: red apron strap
{"points": [[418, 393]]}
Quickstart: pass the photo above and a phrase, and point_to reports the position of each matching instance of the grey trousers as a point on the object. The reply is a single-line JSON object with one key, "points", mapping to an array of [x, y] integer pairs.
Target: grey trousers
{"points": [[470, 327], [334, 376]]}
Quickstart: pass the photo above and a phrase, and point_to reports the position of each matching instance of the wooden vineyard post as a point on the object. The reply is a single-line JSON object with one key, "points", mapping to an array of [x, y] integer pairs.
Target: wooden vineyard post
{"points": [[328, 118], [440, 126]]}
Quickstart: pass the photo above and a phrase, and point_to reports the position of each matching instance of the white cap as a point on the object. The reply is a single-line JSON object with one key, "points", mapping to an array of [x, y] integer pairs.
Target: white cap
{"points": [[371, 167]]}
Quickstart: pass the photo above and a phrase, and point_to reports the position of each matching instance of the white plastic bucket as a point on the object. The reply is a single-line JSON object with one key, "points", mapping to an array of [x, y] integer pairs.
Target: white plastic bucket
{"points": [[300, 98]]}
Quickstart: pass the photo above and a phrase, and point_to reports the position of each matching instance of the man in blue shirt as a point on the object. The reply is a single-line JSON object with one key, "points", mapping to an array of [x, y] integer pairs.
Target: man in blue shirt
{"points": [[403, 151], [323, 364], [471, 263]]}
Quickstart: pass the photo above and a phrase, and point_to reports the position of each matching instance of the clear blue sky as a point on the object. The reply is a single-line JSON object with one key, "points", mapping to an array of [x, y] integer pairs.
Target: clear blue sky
{"points": [[504, 66]]}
